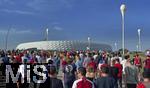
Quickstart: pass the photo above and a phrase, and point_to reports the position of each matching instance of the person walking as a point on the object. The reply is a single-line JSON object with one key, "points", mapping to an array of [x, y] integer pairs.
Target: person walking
{"points": [[52, 81], [104, 81], [131, 74], [119, 75], [82, 81], [147, 62], [69, 71], [146, 82]]}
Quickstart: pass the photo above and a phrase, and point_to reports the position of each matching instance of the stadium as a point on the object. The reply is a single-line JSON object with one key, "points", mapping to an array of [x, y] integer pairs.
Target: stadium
{"points": [[63, 45]]}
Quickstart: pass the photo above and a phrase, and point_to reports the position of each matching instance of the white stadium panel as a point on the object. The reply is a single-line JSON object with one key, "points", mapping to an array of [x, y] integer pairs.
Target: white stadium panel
{"points": [[63, 45]]}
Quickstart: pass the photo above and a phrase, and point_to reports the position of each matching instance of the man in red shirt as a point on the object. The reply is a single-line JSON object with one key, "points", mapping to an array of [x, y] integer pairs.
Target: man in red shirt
{"points": [[18, 58], [91, 69], [137, 61], [92, 64], [119, 66], [82, 82]]}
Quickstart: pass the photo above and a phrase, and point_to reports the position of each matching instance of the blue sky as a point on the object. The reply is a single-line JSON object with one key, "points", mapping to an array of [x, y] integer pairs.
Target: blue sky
{"points": [[74, 20]]}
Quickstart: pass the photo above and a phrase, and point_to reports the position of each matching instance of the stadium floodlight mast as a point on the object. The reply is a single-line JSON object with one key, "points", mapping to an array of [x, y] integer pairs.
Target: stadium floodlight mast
{"points": [[47, 34], [123, 9], [137, 48], [139, 39], [89, 42], [47, 31], [7, 34], [116, 48]]}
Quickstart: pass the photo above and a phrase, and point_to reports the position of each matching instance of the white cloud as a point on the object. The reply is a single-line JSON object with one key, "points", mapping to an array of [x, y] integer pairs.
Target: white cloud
{"points": [[18, 12], [55, 23], [57, 28], [51, 5], [36, 4], [15, 31]]}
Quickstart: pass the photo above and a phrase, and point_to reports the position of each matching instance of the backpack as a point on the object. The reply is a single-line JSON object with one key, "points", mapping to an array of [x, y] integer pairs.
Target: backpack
{"points": [[147, 63], [84, 84]]}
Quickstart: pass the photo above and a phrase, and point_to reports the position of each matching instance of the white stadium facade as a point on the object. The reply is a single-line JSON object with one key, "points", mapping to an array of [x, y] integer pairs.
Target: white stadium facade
{"points": [[63, 45]]}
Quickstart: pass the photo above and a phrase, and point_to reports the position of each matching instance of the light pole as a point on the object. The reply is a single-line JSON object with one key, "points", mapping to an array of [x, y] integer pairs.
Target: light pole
{"points": [[47, 34], [137, 48], [89, 42], [123, 9], [47, 37], [116, 48], [7, 34], [139, 39]]}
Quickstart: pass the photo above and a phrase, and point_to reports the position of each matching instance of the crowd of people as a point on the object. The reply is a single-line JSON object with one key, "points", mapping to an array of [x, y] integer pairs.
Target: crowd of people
{"points": [[82, 69]]}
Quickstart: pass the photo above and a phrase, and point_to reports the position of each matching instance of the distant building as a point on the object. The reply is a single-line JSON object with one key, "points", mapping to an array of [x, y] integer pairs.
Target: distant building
{"points": [[63, 45]]}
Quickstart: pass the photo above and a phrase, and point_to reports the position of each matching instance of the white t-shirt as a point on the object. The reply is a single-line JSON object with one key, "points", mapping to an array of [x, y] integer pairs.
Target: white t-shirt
{"points": [[95, 56], [39, 59], [123, 62], [120, 59]]}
